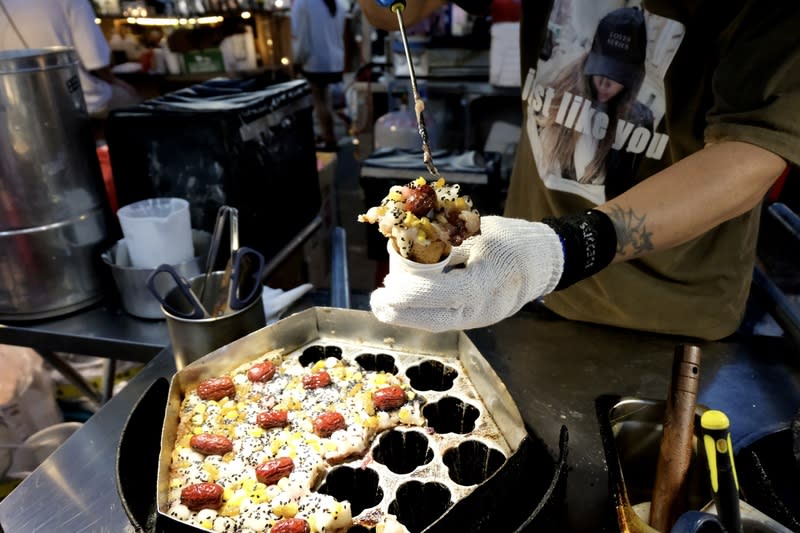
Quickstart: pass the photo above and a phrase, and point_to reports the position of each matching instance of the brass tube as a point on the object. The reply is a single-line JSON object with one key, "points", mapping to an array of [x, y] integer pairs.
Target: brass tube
{"points": [[675, 453]]}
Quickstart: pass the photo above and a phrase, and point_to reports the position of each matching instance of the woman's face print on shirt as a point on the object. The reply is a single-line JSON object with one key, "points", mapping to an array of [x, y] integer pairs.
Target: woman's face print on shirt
{"points": [[605, 89]]}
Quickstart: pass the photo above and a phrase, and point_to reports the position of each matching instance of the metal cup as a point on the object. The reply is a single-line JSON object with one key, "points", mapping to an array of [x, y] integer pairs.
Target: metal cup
{"points": [[193, 338], [131, 281]]}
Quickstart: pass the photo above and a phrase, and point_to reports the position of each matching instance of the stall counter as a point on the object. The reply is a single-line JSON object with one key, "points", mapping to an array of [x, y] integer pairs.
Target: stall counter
{"points": [[554, 369]]}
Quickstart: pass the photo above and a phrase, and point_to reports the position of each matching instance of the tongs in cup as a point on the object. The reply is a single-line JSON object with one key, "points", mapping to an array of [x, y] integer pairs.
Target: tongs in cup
{"points": [[232, 216]]}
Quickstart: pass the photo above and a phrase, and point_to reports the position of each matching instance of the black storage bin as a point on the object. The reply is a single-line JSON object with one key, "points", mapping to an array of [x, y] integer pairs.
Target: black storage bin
{"points": [[240, 143]]}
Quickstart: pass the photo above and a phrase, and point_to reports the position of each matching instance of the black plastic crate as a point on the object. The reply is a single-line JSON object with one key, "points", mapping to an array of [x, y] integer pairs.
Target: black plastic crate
{"points": [[241, 143]]}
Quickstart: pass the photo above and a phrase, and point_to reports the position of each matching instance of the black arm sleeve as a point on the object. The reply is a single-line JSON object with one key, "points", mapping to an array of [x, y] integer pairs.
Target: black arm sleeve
{"points": [[589, 241]]}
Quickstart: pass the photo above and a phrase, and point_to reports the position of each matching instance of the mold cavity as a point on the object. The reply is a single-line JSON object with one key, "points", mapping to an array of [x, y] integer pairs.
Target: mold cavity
{"points": [[472, 462], [432, 375], [315, 353], [403, 451], [380, 362], [360, 486], [417, 505], [451, 415]]}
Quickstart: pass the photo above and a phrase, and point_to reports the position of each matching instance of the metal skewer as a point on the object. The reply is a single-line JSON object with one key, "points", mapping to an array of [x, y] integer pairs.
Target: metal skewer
{"points": [[419, 105]]}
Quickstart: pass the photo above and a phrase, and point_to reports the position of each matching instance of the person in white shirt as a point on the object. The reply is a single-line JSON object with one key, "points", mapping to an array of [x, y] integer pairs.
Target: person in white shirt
{"points": [[318, 47], [44, 23]]}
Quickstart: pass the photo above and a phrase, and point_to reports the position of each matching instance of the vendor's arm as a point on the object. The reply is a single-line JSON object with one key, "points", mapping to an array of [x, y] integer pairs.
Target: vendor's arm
{"points": [[691, 197], [751, 129], [515, 261]]}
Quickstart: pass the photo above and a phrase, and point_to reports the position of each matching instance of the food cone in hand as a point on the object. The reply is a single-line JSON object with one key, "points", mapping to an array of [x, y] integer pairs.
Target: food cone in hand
{"points": [[434, 252], [423, 221]]}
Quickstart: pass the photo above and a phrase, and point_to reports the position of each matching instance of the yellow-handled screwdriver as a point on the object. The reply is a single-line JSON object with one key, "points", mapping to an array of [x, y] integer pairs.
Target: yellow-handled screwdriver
{"points": [[724, 482]]}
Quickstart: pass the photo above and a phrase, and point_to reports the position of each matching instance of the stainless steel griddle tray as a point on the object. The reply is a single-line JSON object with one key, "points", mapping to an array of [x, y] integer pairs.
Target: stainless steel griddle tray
{"points": [[332, 325]]}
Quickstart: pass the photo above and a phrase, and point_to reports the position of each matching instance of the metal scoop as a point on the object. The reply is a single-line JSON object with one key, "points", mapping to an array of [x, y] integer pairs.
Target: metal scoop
{"points": [[419, 105]]}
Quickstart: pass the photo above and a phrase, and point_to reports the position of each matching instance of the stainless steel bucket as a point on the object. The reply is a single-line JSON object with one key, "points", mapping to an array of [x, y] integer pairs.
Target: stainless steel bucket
{"points": [[53, 208], [131, 282], [50, 270]]}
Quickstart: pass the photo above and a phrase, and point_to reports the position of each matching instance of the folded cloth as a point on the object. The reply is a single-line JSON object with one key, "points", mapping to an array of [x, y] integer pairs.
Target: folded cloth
{"points": [[277, 301]]}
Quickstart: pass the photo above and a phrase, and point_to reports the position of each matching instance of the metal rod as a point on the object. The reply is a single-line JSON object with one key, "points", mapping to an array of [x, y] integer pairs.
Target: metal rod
{"points": [[427, 158], [340, 283], [65, 369], [675, 453], [788, 218], [284, 252], [109, 375], [783, 310]]}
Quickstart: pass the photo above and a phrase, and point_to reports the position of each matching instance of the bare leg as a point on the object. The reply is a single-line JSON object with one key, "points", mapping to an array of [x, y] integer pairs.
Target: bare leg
{"points": [[324, 115]]}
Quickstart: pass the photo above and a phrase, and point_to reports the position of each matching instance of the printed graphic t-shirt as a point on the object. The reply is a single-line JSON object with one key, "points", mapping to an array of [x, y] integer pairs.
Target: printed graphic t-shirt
{"points": [[611, 95]]}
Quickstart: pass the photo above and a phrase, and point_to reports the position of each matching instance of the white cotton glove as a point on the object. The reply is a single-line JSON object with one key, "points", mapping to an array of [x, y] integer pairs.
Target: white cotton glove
{"points": [[510, 263]]}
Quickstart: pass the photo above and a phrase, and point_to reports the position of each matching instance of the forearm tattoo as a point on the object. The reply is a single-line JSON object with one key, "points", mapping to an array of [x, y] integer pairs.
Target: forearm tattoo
{"points": [[632, 235]]}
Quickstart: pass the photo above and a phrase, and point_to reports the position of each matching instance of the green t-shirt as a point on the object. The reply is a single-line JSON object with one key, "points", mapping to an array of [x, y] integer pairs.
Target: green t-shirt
{"points": [[725, 71]]}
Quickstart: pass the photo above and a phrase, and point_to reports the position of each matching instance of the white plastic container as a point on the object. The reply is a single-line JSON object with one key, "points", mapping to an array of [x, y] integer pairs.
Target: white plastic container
{"points": [[158, 231], [398, 262]]}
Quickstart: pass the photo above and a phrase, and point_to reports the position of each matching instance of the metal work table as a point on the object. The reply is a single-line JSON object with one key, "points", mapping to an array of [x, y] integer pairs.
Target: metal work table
{"points": [[554, 369], [101, 330]]}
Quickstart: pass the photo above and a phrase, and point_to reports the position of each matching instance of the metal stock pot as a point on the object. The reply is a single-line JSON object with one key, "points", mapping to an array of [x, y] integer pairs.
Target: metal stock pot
{"points": [[53, 214]]}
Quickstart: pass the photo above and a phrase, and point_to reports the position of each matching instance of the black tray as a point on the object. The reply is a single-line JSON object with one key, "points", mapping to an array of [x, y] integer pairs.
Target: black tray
{"points": [[538, 507]]}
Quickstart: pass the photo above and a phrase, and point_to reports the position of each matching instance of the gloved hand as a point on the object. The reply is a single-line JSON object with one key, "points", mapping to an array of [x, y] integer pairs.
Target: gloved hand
{"points": [[390, 3], [510, 263]]}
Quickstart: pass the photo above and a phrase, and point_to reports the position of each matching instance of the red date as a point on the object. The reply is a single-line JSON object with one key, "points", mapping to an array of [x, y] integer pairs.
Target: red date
{"points": [[272, 471], [272, 419], [316, 380], [389, 398], [210, 444], [261, 372], [291, 525], [326, 423], [202, 496], [421, 200], [216, 388]]}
